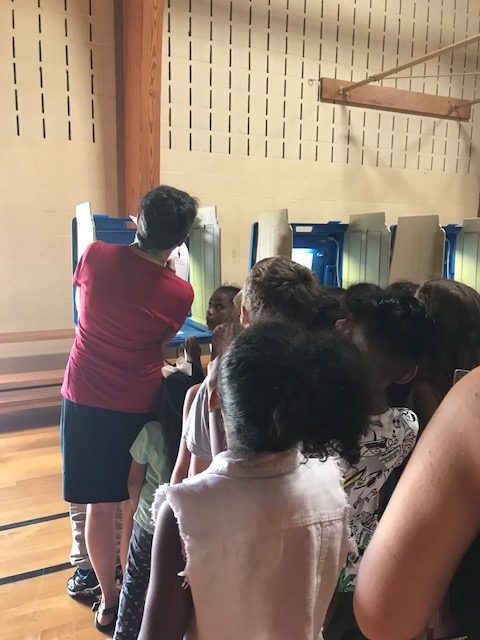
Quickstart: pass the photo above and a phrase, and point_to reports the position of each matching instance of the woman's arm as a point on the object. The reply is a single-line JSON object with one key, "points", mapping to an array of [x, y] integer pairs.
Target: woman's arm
{"points": [[168, 608], [430, 522]]}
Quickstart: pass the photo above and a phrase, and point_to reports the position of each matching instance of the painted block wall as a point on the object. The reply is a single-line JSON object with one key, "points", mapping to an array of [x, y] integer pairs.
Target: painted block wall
{"points": [[58, 148]]}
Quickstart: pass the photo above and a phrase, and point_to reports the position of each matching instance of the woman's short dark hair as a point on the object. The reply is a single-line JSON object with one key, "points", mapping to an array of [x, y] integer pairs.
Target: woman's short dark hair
{"points": [[280, 386], [166, 215]]}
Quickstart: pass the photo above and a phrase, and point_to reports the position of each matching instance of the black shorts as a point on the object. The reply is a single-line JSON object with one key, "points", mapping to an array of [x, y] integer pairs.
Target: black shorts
{"points": [[96, 451]]}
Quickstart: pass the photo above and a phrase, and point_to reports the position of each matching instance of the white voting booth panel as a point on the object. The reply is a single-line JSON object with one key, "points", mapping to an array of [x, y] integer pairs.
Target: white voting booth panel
{"points": [[419, 248], [366, 251], [467, 254], [205, 272], [85, 227], [275, 236]]}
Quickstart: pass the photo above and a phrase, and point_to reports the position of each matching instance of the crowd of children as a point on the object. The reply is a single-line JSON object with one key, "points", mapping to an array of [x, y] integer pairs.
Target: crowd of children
{"points": [[268, 477]]}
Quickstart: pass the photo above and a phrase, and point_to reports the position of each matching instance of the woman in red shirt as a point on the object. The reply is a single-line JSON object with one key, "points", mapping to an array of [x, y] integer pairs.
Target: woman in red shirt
{"points": [[131, 304]]}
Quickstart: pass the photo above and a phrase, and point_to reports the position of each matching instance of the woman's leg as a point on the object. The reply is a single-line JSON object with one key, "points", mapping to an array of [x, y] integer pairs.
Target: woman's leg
{"points": [[100, 536], [135, 582]]}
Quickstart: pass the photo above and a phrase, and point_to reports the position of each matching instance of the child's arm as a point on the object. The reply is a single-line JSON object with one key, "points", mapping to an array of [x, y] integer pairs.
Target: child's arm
{"points": [[197, 465], [180, 471], [136, 478], [168, 607]]}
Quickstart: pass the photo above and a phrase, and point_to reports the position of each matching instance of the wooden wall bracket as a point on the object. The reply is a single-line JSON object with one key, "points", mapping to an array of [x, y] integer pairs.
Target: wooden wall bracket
{"points": [[391, 99]]}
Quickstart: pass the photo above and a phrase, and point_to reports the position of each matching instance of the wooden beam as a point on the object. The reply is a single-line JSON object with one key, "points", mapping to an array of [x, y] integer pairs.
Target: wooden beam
{"points": [[412, 63], [390, 99], [36, 336], [142, 25]]}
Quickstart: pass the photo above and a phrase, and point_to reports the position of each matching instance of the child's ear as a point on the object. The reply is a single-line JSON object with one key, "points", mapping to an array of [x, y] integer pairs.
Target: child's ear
{"points": [[342, 326], [408, 377], [244, 317]]}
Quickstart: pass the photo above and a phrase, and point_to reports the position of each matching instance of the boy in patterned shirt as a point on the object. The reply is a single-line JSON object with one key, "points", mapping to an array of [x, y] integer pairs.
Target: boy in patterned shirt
{"points": [[393, 333]]}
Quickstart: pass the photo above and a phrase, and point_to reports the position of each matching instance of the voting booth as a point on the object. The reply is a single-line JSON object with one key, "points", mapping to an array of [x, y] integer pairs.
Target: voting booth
{"points": [[197, 261], [417, 248]]}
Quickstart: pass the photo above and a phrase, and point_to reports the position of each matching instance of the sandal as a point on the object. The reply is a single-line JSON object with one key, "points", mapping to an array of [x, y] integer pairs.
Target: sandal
{"points": [[99, 609]]}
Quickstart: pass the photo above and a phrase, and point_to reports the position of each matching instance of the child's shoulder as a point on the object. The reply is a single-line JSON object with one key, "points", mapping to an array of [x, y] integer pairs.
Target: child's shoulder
{"points": [[150, 431]]}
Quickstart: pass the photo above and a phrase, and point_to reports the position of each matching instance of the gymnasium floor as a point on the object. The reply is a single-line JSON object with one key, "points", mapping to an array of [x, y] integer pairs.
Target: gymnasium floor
{"points": [[34, 542]]}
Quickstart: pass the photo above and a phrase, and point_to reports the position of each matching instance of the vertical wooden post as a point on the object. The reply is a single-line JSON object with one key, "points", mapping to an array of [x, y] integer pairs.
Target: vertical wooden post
{"points": [[141, 51]]}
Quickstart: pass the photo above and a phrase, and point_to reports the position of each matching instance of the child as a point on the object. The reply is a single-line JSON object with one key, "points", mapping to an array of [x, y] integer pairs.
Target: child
{"points": [[265, 530], [393, 335], [153, 453], [275, 288], [194, 454], [220, 306]]}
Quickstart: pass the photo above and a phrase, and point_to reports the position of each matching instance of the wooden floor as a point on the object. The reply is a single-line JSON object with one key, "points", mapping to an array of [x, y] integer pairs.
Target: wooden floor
{"points": [[36, 607]]}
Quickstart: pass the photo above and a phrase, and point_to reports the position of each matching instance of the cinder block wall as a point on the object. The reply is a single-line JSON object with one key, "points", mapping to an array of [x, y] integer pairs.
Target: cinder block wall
{"points": [[58, 148]]}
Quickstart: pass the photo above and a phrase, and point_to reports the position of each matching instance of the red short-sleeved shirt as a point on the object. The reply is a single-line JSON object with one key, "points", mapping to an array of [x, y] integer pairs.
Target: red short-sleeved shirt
{"points": [[129, 308]]}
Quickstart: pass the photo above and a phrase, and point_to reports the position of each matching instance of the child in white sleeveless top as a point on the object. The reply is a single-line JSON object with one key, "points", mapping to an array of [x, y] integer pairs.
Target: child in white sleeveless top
{"points": [[261, 536]]}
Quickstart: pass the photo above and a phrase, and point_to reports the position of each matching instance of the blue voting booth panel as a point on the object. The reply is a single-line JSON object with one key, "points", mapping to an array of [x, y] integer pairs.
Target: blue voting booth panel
{"points": [[119, 231], [451, 235], [317, 246]]}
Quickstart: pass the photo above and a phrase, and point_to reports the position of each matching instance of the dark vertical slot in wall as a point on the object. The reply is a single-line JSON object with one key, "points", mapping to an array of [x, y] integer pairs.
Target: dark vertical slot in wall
{"points": [[40, 71], [92, 71], [304, 30], [67, 72], [249, 74], [190, 70], [267, 81], [285, 70], [168, 19], [230, 43], [210, 81], [14, 71]]}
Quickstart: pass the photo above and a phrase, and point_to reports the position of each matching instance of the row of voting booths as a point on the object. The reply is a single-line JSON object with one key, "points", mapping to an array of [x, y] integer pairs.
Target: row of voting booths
{"points": [[417, 248]]}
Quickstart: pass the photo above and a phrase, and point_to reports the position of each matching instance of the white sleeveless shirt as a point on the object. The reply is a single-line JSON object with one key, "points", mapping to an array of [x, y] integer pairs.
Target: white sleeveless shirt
{"points": [[265, 538]]}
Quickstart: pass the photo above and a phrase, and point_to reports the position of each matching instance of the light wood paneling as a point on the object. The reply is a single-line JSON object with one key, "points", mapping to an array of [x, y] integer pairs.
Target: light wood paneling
{"points": [[30, 487], [40, 608], [45, 544], [30, 475]]}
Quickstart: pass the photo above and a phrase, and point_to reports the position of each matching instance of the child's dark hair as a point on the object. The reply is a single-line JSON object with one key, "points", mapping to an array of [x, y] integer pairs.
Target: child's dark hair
{"points": [[357, 296], [280, 387], [229, 290], [280, 289], [401, 288], [166, 215], [398, 328], [455, 311]]}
